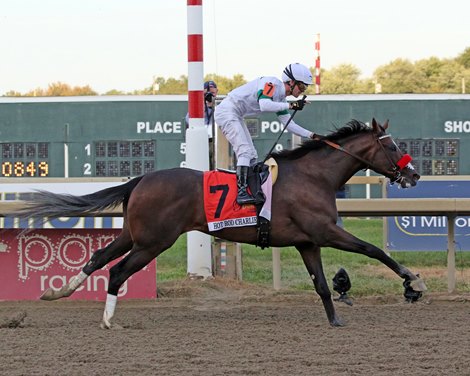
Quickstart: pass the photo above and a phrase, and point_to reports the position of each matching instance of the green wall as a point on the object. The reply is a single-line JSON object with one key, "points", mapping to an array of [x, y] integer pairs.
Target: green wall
{"points": [[82, 121]]}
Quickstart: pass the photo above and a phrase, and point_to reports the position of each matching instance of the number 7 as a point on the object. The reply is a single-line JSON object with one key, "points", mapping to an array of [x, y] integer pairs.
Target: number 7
{"points": [[223, 196]]}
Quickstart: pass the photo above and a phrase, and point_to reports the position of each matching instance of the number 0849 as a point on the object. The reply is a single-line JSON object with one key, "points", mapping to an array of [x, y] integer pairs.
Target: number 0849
{"points": [[24, 169]]}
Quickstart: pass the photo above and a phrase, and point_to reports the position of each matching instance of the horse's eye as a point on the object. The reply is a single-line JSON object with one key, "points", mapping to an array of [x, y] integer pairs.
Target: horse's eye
{"points": [[393, 147]]}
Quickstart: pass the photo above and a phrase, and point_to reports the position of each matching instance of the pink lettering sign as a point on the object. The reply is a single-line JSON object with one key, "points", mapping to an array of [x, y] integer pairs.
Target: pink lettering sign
{"points": [[33, 261]]}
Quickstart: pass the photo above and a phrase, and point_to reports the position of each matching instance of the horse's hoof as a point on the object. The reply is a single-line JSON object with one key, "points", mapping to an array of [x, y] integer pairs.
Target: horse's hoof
{"points": [[106, 322], [50, 294], [411, 295], [109, 326], [418, 285], [344, 298], [337, 323]]}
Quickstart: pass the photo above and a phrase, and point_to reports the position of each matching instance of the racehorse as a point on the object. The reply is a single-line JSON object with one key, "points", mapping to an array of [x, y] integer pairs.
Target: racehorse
{"points": [[158, 207]]}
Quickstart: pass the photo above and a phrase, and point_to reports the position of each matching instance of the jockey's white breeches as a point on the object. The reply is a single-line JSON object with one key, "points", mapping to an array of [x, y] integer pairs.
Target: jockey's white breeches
{"points": [[234, 129]]}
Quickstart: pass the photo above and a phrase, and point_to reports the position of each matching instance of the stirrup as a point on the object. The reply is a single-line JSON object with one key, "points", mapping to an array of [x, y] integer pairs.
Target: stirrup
{"points": [[244, 198]]}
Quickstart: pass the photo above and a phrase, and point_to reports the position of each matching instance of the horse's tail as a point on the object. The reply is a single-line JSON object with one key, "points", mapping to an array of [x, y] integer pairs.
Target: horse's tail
{"points": [[53, 205]]}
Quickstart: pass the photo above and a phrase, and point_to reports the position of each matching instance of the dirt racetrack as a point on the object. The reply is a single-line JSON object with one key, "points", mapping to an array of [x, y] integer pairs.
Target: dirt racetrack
{"points": [[216, 328]]}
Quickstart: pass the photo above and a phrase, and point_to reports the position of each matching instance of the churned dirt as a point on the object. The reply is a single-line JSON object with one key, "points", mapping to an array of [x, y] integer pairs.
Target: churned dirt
{"points": [[228, 328]]}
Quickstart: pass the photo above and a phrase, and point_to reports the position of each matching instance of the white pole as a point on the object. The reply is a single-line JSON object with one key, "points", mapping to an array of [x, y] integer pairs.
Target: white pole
{"points": [[367, 185], [199, 256], [66, 152]]}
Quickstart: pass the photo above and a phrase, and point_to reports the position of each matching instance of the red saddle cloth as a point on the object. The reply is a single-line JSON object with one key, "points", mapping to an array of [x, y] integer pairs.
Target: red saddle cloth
{"points": [[220, 202]]}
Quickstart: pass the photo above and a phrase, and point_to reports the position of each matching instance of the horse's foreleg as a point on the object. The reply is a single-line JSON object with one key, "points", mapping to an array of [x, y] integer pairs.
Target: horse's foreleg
{"points": [[100, 258], [345, 241], [311, 255]]}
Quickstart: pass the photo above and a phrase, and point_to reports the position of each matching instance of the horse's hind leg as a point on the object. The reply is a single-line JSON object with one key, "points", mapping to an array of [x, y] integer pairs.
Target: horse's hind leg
{"points": [[119, 246], [119, 273], [311, 255]]}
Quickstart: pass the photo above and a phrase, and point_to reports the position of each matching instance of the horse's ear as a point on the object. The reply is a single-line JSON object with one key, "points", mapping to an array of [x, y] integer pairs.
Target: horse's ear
{"points": [[385, 126], [375, 125]]}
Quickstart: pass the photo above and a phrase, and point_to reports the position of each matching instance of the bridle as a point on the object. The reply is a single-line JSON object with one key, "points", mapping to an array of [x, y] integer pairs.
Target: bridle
{"points": [[394, 174]]}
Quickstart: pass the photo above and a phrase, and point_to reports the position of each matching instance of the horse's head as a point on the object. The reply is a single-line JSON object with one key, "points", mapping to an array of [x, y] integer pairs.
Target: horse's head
{"points": [[389, 160], [379, 153]]}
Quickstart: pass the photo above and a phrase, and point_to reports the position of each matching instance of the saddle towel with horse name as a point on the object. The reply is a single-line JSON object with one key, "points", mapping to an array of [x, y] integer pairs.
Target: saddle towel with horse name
{"points": [[220, 201]]}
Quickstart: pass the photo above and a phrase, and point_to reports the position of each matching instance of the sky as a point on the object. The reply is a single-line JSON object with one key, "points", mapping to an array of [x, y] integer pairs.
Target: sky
{"points": [[123, 44]]}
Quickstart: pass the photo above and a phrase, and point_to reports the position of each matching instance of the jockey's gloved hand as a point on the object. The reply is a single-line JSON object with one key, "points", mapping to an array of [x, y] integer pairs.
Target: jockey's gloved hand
{"points": [[298, 105], [318, 137]]}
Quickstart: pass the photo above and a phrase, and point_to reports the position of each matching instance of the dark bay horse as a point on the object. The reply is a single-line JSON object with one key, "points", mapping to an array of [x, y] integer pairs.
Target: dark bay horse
{"points": [[158, 207]]}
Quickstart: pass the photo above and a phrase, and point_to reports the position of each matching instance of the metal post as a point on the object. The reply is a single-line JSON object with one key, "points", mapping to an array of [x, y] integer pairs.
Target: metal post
{"points": [[276, 268], [450, 253]]}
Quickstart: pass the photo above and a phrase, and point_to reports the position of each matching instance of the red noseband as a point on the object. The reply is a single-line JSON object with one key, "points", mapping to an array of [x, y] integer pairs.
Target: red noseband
{"points": [[403, 162]]}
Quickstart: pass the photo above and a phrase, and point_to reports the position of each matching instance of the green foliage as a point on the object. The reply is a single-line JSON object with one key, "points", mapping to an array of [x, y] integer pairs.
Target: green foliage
{"points": [[464, 58], [169, 86], [340, 80], [115, 92], [172, 264], [225, 84], [440, 76], [12, 93], [56, 89], [399, 76]]}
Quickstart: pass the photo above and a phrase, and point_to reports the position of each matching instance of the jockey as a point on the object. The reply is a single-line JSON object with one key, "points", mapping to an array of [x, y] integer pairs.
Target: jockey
{"points": [[264, 94]]}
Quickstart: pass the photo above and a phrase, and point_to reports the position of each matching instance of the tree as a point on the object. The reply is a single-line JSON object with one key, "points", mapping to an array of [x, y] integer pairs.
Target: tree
{"points": [[12, 93], [342, 79], [115, 92], [168, 86], [432, 75], [464, 58], [58, 89], [180, 86], [399, 76], [365, 86], [83, 90], [450, 77], [38, 92], [430, 69], [441, 76], [226, 84]]}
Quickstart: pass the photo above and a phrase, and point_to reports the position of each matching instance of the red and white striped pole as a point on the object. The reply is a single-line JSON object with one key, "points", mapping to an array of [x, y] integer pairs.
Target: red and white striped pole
{"points": [[199, 255], [195, 64], [317, 65]]}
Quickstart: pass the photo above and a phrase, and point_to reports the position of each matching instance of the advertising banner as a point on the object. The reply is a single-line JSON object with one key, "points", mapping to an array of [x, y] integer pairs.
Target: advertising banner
{"points": [[428, 233], [33, 261]]}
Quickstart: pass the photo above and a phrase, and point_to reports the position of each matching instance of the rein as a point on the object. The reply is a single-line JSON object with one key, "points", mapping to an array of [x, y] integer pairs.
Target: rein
{"points": [[396, 167]]}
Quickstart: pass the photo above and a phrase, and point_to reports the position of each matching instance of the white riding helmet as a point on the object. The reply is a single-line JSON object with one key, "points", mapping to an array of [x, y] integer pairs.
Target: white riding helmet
{"points": [[297, 72]]}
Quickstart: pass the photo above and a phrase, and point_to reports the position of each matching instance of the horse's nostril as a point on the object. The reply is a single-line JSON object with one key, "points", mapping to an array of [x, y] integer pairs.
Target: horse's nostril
{"points": [[416, 177]]}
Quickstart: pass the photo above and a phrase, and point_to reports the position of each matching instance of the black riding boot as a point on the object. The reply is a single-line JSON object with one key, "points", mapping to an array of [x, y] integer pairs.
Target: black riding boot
{"points": [[243, 197]]}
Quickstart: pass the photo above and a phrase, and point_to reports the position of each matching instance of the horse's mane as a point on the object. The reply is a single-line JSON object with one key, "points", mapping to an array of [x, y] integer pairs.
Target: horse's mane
{"points": [[350, 128]]}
